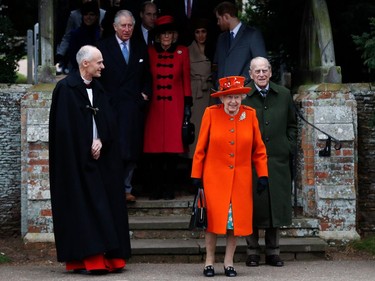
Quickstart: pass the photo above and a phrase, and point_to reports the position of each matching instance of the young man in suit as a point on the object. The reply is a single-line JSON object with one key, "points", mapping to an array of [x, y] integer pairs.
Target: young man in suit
{"points": [[127, 81], [238, 43]]}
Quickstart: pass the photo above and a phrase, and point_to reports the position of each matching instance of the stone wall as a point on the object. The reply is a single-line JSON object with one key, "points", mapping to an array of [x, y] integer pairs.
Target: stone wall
{"points": [[10, 160], [35, 195], [365, 97], [29, 149], [327, 183]]}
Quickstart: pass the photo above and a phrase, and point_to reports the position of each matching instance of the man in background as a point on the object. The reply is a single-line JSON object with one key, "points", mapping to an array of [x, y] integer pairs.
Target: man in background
{"points": [[237, 44], [127, 82]]}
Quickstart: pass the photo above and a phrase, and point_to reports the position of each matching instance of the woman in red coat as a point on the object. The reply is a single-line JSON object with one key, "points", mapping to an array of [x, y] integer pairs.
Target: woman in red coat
{"points": [[229, 143], [170, 69]]}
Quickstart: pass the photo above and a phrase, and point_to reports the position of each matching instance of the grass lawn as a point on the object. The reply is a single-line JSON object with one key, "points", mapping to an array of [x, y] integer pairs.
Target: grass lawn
{"points": [[366, 244]]}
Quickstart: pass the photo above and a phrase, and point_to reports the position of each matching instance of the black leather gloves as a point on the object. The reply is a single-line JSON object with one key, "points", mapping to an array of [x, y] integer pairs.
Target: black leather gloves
{"points": [[197, 183], [187, 113], [262, 184]]}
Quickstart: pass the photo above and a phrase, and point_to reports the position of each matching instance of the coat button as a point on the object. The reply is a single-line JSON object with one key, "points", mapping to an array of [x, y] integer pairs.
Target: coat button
{"points": [[267, 139], [231, 167], [267, 123], [231, 154], [231, 119], [231, 130], [231, 142], [265, 107]]}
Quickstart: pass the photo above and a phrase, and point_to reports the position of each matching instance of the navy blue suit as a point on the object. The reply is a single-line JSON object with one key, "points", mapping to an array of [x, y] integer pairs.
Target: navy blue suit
{"points": [[124, 84], [235, 59]]}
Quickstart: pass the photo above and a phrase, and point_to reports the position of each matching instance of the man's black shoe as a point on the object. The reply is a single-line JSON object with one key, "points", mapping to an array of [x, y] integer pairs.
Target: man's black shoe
{"points": [[274, 260], [252, 260]]}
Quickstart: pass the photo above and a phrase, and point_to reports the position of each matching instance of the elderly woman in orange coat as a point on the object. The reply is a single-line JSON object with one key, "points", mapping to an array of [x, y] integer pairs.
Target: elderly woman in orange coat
{"points": [[229, 143]]}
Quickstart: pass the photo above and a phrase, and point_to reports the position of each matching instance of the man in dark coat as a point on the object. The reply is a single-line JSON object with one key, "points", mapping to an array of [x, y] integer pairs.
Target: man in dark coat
{"points": [[277, 123], [89, 210], [127, 82], [237, 45]]}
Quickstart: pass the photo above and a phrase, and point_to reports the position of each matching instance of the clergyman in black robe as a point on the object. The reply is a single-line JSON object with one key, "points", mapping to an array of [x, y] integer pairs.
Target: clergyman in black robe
{"points": [[89, 210]]}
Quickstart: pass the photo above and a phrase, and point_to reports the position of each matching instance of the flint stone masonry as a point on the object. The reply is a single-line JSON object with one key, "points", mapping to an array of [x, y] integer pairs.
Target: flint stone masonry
{"points": [[10, 160], [365, 97], [329, 188]]}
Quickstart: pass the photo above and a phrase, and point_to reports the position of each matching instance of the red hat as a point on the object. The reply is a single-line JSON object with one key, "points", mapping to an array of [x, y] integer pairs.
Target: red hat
{"points": [[164, 23], [231, 85]]}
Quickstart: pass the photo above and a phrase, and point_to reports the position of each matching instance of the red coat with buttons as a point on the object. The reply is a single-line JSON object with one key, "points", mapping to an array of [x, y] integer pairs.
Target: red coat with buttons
{"points": [[227, 148], [171, 84]]}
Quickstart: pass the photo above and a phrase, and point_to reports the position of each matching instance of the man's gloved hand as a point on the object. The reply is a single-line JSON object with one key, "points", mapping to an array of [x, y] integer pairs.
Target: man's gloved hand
{"points": [[262, 184], [197, 183]]}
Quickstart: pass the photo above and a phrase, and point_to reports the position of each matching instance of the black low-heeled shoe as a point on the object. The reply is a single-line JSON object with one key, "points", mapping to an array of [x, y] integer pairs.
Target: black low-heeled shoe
{"points": [[209, 271], [230, 271]]}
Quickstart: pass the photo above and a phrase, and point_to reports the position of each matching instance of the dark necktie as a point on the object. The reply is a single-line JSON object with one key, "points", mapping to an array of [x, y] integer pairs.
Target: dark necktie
{"points": [[188, 8], [149, 38], [231, 38], [263, 92], [88, 86]]}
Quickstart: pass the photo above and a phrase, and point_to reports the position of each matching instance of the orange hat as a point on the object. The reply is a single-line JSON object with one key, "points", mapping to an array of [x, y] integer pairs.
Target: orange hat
{"points": [[231, 85]]}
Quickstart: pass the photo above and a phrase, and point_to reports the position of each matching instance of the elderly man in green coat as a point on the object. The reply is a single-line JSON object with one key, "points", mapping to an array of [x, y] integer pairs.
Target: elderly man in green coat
{"points": [[277, 122]]}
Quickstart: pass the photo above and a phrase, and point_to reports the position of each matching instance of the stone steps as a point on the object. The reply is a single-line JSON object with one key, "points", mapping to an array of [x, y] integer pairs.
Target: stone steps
{"points": [[160, 219], [159, 232], [193, 250]]}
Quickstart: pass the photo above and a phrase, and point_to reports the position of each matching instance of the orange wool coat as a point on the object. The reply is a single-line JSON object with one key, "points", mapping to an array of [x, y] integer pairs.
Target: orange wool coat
{"points": [[227, 148]]}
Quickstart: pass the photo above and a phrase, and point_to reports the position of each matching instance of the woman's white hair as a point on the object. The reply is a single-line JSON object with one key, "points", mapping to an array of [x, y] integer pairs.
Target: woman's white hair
{"points": [[243, 96]]}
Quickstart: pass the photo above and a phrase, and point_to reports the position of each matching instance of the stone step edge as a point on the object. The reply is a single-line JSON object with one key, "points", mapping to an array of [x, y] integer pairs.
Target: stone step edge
{"points": [[140, 246], [181, 222], [197, 246]]}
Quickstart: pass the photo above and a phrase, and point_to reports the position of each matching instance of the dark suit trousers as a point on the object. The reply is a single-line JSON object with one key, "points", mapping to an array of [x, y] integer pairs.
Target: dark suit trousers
{"points": [[271, 237]]}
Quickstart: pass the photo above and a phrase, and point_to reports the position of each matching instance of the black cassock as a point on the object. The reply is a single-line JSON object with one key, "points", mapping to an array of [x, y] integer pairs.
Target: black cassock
{"points": [[88, 204]]}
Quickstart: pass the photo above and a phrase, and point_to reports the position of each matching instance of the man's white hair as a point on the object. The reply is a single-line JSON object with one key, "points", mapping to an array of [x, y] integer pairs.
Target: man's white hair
{"points": [[85, 53], [123, 13]]}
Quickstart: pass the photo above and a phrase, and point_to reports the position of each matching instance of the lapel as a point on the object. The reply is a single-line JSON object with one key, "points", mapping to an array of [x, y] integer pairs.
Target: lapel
{"points": [[114, 50]]}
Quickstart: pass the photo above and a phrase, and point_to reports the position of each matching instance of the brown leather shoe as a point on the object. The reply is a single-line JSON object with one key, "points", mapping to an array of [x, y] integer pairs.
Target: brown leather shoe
{"points": [[129, 197]]}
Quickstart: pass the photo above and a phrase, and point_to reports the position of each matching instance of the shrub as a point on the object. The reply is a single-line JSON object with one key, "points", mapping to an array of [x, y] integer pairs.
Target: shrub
{"points": [[11, 51], [366, 44]]}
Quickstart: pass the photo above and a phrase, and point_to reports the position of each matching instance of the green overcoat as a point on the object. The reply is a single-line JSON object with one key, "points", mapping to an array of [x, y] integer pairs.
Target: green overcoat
{"points": [[277, 122]]}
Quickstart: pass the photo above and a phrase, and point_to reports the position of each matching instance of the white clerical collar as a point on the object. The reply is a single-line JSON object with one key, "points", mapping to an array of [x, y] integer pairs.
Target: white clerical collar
{"points": [[86, 81]]}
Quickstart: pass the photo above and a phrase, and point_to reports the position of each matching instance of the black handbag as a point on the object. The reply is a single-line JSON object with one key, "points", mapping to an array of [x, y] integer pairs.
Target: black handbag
{"points": [[188, 132], [198, 218]]}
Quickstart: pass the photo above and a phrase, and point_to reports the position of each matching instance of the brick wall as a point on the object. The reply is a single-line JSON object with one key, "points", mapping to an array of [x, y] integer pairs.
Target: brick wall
{"points": [[328, 184], [36, 205]]}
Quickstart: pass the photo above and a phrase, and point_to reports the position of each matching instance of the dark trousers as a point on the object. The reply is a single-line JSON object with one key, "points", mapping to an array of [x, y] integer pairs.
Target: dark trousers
{"points": [[271, 237], [163, 168]]}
